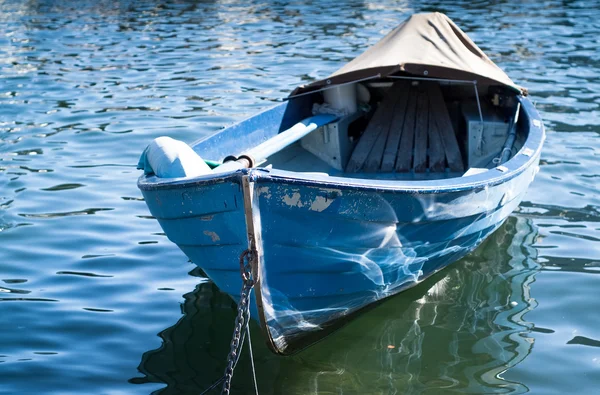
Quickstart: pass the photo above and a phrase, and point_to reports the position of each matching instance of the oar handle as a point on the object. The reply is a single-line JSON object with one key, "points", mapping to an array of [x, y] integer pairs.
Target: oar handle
{"points": [[277, 143]]}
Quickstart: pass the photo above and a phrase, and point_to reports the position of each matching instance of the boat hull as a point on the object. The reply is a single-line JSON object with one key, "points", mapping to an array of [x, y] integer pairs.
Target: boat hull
{"points": [[327, 247], [328, 252]]}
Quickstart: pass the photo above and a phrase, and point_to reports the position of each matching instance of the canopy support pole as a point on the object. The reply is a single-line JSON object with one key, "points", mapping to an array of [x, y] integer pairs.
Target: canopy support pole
{"points": [[332, 86], [478, 102], [403, 77]]}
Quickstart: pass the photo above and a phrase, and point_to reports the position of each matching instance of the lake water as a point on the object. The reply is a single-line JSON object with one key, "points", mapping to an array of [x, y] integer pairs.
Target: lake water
{"points": [[96, 300]]}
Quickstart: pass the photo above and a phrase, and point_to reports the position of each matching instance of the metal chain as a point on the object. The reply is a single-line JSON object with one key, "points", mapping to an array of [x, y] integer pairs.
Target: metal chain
{"points": [[242, 319]]}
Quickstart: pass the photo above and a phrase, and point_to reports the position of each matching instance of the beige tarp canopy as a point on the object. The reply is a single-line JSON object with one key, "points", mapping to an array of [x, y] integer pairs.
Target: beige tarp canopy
{"points": [[425, 45]]}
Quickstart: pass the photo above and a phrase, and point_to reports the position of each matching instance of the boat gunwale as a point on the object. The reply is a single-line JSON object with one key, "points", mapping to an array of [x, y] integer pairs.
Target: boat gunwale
{"points": [[494, 176]]}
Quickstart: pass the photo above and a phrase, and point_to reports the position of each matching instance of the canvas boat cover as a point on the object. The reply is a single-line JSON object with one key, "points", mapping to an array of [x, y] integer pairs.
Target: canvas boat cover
{"points": [[425, 45]]}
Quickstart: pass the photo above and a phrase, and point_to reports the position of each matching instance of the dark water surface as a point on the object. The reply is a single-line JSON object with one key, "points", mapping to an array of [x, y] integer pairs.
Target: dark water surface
{"points": [[95, 300]]}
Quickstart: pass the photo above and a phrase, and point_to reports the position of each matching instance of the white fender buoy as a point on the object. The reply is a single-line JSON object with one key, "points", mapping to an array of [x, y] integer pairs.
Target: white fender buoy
{"points": [[170, 158]]}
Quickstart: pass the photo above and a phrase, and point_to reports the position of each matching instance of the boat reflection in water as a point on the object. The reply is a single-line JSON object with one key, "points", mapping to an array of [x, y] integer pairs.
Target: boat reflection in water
{"points": [[460, 330]]}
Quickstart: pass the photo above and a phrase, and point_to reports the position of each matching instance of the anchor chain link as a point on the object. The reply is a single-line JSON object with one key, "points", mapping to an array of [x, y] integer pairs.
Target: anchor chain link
{"points": [[242, 319]]}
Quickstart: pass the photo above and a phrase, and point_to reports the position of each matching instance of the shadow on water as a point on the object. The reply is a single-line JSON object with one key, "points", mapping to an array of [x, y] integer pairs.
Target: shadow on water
{"points": [[460, 330]]}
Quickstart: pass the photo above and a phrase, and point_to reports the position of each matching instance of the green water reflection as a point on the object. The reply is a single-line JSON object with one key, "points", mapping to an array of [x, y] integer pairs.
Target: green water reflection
{"points": [[459, 330]]}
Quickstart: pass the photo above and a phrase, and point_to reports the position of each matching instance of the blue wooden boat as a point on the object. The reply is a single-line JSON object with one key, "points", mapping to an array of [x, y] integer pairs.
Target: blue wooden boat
{"points": [[358, 186]]}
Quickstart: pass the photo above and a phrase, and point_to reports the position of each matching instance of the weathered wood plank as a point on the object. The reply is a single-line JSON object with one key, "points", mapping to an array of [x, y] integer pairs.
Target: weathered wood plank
{"points": [[437, 158], [405, 150], [379, 123], [444, 125], [420, 161], [374, 159], [391, 147]]}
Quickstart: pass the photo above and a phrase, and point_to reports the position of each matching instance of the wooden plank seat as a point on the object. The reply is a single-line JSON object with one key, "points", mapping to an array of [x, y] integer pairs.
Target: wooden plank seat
{"points": [[410, 130]]}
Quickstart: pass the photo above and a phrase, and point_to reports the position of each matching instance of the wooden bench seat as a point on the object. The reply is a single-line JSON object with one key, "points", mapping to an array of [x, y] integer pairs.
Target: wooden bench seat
{"points": [[410, 130]]}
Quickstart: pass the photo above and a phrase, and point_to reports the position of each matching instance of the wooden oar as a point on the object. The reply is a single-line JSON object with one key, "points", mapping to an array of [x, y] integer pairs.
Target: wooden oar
{"points": [[277, 143]]}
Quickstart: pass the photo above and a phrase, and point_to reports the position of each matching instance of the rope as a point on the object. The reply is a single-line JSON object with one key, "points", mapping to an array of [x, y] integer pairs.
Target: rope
{"points": [[480, 140], [251, 355]]}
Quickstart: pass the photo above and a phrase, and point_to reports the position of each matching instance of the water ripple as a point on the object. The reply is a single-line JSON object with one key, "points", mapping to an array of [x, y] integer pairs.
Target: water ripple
{"points": [[13, 291], [85, 274], [85, 85], [87, 211], [63, 187]]}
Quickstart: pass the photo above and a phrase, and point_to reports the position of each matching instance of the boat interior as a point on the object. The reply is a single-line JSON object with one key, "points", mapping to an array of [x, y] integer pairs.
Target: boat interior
{"points": [[407, 129]]}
